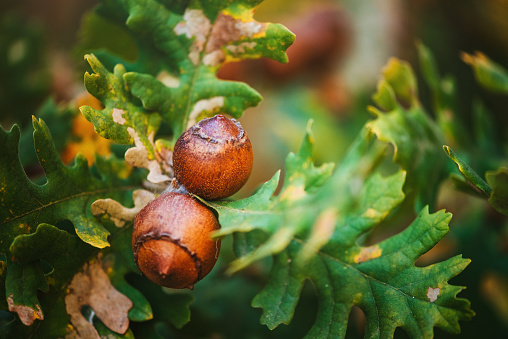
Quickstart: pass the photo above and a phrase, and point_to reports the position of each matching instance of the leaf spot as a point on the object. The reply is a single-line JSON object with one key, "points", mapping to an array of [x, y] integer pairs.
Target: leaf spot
{"points": [[26, 314], [370, 213], [368, 253], [168, 79], [432, 293], [227, 31], [248, 29], [118, 116], [240, 48], [138, 157], [155, 175], [195, 25], [214, 58]]}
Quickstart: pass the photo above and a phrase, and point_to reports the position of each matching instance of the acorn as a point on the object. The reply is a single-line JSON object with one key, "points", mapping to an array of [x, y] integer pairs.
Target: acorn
{"points": [[213, 159], [172, 241]]}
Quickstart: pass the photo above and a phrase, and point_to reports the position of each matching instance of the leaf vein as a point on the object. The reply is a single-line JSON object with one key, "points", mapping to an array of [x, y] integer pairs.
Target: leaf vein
{"points": [[74, 196]]}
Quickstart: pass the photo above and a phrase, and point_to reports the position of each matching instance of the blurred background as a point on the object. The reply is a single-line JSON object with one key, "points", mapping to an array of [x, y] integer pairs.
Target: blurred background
{"points": [[335, 62]]}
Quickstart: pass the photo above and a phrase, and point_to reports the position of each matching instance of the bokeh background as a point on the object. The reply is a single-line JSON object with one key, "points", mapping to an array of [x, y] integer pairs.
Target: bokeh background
{"points": [[335, 62]]}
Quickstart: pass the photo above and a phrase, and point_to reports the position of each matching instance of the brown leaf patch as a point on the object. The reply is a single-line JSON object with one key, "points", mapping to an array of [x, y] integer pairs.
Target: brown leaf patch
{"points": [[92, 287], [26, 314]]}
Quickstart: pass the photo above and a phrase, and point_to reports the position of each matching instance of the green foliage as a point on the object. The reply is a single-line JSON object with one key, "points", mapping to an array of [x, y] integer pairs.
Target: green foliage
{"points": [[498, 180], [45, 241], [405, 120], [49, 234], [480, 158], [183, 51], [488, 73], [60, 258], [314, 233], [495, 189], [494, 78], [25, 82], [469, 173], [111, 90], [58, 118], [65, 196]]}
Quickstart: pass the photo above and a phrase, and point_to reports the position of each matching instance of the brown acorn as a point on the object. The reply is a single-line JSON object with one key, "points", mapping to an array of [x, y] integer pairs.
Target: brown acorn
{"points": [[172, 242], [213, 159]]}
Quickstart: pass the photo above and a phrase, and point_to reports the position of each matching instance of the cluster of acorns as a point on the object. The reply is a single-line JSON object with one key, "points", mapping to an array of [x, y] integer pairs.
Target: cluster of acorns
{"points": [[171, 238]]}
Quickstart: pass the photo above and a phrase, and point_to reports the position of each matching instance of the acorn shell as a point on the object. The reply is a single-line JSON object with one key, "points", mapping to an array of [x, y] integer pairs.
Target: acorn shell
{"points": [[172, 242], [213, 159]]}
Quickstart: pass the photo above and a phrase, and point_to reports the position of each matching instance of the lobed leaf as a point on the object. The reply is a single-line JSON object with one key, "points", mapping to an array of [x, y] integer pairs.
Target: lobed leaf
{"points": [[118, 262], [21, 285], [91, 288], [60, 249], [44, 233], [416, 139], [183, 48], [313, 229], [264, 211], [122, 119], [66, 195]]}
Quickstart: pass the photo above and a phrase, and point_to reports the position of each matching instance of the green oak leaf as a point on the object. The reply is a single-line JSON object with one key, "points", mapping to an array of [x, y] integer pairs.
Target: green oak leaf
{"points": [[67, 194], [32, 243], [65, 253], [21, 285], [59, 248], [313, 229], [169, 306], [489, 74], [59, 120], [105, 332], [172, 308], [180, 50], [495, 188], [416, 139], [380, 279], [265, 211], [469, 173], [122, 120]]}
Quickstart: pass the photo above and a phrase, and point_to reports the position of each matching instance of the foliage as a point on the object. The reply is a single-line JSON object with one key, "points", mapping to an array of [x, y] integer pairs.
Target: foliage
{"points": [[25, 82], [480, 233], [33, 216], [314, 232], [494, 78], [66, 237]]}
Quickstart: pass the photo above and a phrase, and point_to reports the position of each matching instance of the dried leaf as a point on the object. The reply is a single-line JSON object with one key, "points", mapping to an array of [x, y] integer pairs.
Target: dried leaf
{"points": [[139, 156], [117, 212], [93, 288]]}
